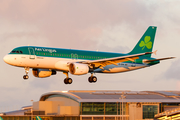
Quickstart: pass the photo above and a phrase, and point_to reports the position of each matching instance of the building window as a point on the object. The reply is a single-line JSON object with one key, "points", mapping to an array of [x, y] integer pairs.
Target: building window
{"points": [[149, 111], [112, 109], [93, 108], [103, 109]]}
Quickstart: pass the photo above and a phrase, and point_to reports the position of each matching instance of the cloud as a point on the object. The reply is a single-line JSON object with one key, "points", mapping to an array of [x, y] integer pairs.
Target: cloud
{"points": [[78, 22], [173, 71]]}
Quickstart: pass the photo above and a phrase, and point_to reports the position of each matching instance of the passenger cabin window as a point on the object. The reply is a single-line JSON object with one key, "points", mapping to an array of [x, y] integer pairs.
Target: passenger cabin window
{"points": [[17, 51], [21, 52]]}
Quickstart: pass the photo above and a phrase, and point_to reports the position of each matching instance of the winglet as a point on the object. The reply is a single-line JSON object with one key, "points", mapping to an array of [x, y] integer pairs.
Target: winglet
{"points": [[155, 52]]}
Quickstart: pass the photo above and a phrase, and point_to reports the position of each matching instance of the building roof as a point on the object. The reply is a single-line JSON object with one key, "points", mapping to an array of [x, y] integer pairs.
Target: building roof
{"points": [[115, 96], [16, 112]]}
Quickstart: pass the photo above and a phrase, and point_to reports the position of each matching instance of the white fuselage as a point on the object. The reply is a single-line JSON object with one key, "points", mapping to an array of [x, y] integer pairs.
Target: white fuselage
{"points": [[62, 64]]}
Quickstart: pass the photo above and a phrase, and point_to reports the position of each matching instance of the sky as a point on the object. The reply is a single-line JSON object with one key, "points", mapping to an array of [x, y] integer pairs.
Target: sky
{"points": [[104, 25]]}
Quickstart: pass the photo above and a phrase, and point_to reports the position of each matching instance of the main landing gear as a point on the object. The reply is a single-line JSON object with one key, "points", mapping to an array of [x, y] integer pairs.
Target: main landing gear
{"points": [[67, 80], [25, 77], [92, 79]]}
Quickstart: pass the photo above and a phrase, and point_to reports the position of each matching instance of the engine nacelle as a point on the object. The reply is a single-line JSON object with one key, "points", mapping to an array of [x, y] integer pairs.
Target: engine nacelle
{"points": [[42, 73], [78, 68]]}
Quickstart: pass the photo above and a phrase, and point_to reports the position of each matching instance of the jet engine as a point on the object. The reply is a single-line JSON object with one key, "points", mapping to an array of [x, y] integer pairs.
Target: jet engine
{"points": [[42, 73], [78, 68]]}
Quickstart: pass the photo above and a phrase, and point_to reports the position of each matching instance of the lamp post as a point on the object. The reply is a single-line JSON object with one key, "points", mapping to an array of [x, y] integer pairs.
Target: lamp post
{"points": [[117, 111], [32, 110], [122, 97]]}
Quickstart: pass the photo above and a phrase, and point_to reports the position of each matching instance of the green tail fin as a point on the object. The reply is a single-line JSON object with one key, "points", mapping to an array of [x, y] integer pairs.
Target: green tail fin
{"points": [[146, 42], [38, 118], [1, 118]]}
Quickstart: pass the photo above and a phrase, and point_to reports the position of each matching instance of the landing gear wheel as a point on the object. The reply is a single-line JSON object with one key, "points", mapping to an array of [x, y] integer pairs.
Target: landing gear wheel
{"points": [[65, 81], [25, 77], [92, 79], [68, 80]]}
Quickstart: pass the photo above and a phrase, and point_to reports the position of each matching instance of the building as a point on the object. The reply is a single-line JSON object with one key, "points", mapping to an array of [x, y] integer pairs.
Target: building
{"points": [[104, 105], [173, 114]]}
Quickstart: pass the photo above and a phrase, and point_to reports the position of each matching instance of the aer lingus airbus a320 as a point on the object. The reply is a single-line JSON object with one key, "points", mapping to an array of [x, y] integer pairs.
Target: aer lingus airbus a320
{"points": [[46, 61]]}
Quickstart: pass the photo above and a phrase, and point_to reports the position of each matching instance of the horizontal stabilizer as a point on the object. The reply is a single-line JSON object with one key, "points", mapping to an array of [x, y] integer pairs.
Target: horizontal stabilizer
{"points": [[158, 59]]}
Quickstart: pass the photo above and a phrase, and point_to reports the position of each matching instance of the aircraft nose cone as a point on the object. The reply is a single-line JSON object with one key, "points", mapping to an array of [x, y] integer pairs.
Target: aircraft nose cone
{"points": [[6, 59]]}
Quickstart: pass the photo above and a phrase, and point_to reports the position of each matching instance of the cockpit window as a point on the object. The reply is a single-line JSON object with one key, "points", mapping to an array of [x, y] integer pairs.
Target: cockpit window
{"points": [[13, 51], [16, 51]]}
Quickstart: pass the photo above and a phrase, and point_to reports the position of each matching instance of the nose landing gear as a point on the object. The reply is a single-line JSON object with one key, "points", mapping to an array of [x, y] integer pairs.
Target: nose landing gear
{"points": [[25, 77]]}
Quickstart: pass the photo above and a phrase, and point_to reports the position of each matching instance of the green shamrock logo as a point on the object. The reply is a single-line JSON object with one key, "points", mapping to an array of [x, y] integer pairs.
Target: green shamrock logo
{"points": [[146, 43]]}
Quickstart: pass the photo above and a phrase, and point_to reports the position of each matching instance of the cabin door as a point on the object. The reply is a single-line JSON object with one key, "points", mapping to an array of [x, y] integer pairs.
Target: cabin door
{"points": [[74, 56], [31, 53]]}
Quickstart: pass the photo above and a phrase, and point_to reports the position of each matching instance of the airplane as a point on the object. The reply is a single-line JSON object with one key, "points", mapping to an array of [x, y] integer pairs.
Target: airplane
{"points": [[1, 118], [46, 61]]}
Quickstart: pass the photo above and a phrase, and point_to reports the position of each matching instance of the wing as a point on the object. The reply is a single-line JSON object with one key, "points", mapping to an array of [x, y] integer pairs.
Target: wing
{"points": [[103, 62]]}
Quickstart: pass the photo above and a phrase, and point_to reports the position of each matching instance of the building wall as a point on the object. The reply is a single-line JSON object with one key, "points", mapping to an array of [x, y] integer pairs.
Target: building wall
{"points": [[135, 112], [69, 110], [57, 106], [139, 111], [43, 106]]}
